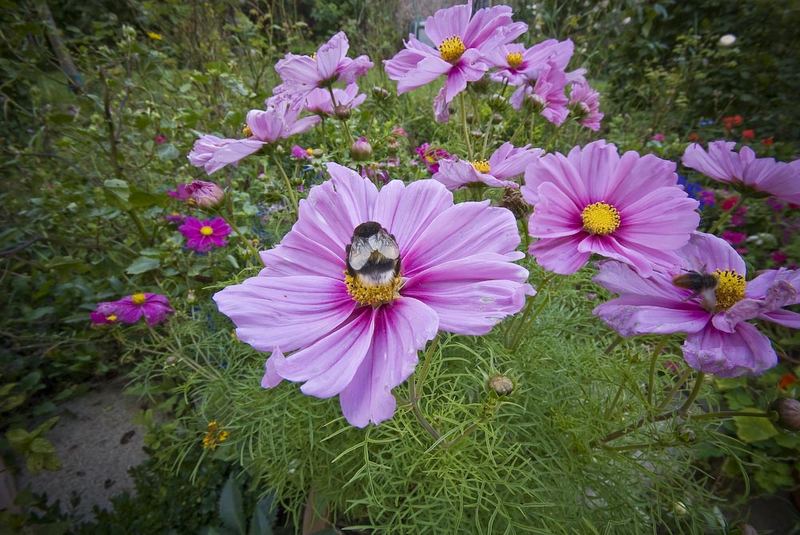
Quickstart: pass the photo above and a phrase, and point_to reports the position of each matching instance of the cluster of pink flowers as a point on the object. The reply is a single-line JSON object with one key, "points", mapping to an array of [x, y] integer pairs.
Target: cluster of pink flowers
{"points": [[198, 193], [154, 308], [470, 45], [306, 85]]}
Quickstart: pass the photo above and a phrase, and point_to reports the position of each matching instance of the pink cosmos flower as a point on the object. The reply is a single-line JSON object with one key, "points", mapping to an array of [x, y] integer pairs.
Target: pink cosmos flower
{"points": [[357, 340], [584, 103], [720, 340], [505, 163], [546, 94], [330, 64], [628, 208], [461, 42], [105, 313], [517, 65], [658, 137], [299, 153], [153, 307], [198, 192], [722, 163], [319, 101], [431, 156], [202, 236], [263, 127]]}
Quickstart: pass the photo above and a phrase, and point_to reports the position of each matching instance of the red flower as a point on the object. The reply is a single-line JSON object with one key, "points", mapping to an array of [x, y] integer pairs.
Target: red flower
{"points": [[729, 203], [787, 380], [748, 134], [767, 141], [694, 136]]}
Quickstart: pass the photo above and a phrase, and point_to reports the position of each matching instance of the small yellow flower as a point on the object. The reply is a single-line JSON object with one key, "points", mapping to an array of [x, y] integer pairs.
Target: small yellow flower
{"points": [[214, 436], [154, 36]]}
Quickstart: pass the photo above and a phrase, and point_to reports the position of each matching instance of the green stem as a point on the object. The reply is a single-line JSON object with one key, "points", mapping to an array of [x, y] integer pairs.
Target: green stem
{"points": [[652, 376], [289, 188], [731, 414], [720, 223], [682, 411], [464, 125], [413, 391], [613, 345], [526, 314], [139, 227], [344, 121]]}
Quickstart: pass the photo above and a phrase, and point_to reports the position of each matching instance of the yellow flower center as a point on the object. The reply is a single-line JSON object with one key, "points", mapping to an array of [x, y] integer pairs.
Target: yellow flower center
{"points": [[373, 295], [514, 59], [730, 288], [452, 48], [111, 317], [600, 218], [482, 166], [205, 230], [247, 132], [138, 299]]}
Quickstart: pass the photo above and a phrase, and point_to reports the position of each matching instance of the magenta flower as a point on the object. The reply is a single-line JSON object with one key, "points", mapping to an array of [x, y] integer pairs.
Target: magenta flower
{"points": [[105, 313], [175, 218], [198, 192], [628, 208], [505, 163], [719, 338], [546, 94], [443, 266], [517, 65], [263, 127], [431, 156], [584, 103], [722, 163], [461, 42], [733, 237], [330, 64], [319, 101], [299, 153], [160, 139], [202, 236], [153, 307]]}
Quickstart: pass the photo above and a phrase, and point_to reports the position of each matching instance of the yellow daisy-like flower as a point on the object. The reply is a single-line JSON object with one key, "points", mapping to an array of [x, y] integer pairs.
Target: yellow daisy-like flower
{"points": [[214, 436], [154, 36]]}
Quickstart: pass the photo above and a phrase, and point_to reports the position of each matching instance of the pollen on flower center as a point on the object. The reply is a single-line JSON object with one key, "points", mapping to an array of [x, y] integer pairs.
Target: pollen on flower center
{"points": [[514, 59], [373, 295], [205, 230], [481, 166], [730, 288], [138, 299], [452, 48], [600, 218], [111, 317], [247, 132]]}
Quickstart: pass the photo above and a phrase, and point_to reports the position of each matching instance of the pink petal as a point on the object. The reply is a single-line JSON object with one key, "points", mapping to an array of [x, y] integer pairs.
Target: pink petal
{"points": [[272, 311], [401, 329], [560, 255]]}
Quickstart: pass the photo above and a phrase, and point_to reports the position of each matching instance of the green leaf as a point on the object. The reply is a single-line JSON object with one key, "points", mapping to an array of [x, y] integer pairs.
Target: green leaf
{"points": [[167, 152], [117, 191], [754, 429], [143, 199], [263, 516], [19, 439], [230, 506], [42, 445], [143, 264]]}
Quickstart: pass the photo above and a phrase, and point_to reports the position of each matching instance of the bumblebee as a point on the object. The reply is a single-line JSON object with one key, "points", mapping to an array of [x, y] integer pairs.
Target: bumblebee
{"points": [[701, 284], [373, 256]]}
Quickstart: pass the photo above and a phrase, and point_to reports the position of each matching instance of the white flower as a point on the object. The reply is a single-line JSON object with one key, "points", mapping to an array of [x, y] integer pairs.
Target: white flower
{"points": [[626, 20], [727, 40]]}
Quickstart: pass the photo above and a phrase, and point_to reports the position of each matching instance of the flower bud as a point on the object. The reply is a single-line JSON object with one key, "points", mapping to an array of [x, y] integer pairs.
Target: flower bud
{"points": [[380, 93], [190, 296], [788, 410], [205, 194], [727, 40], [686, 435], [501, 385], [341, 112], [361, 149]]}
